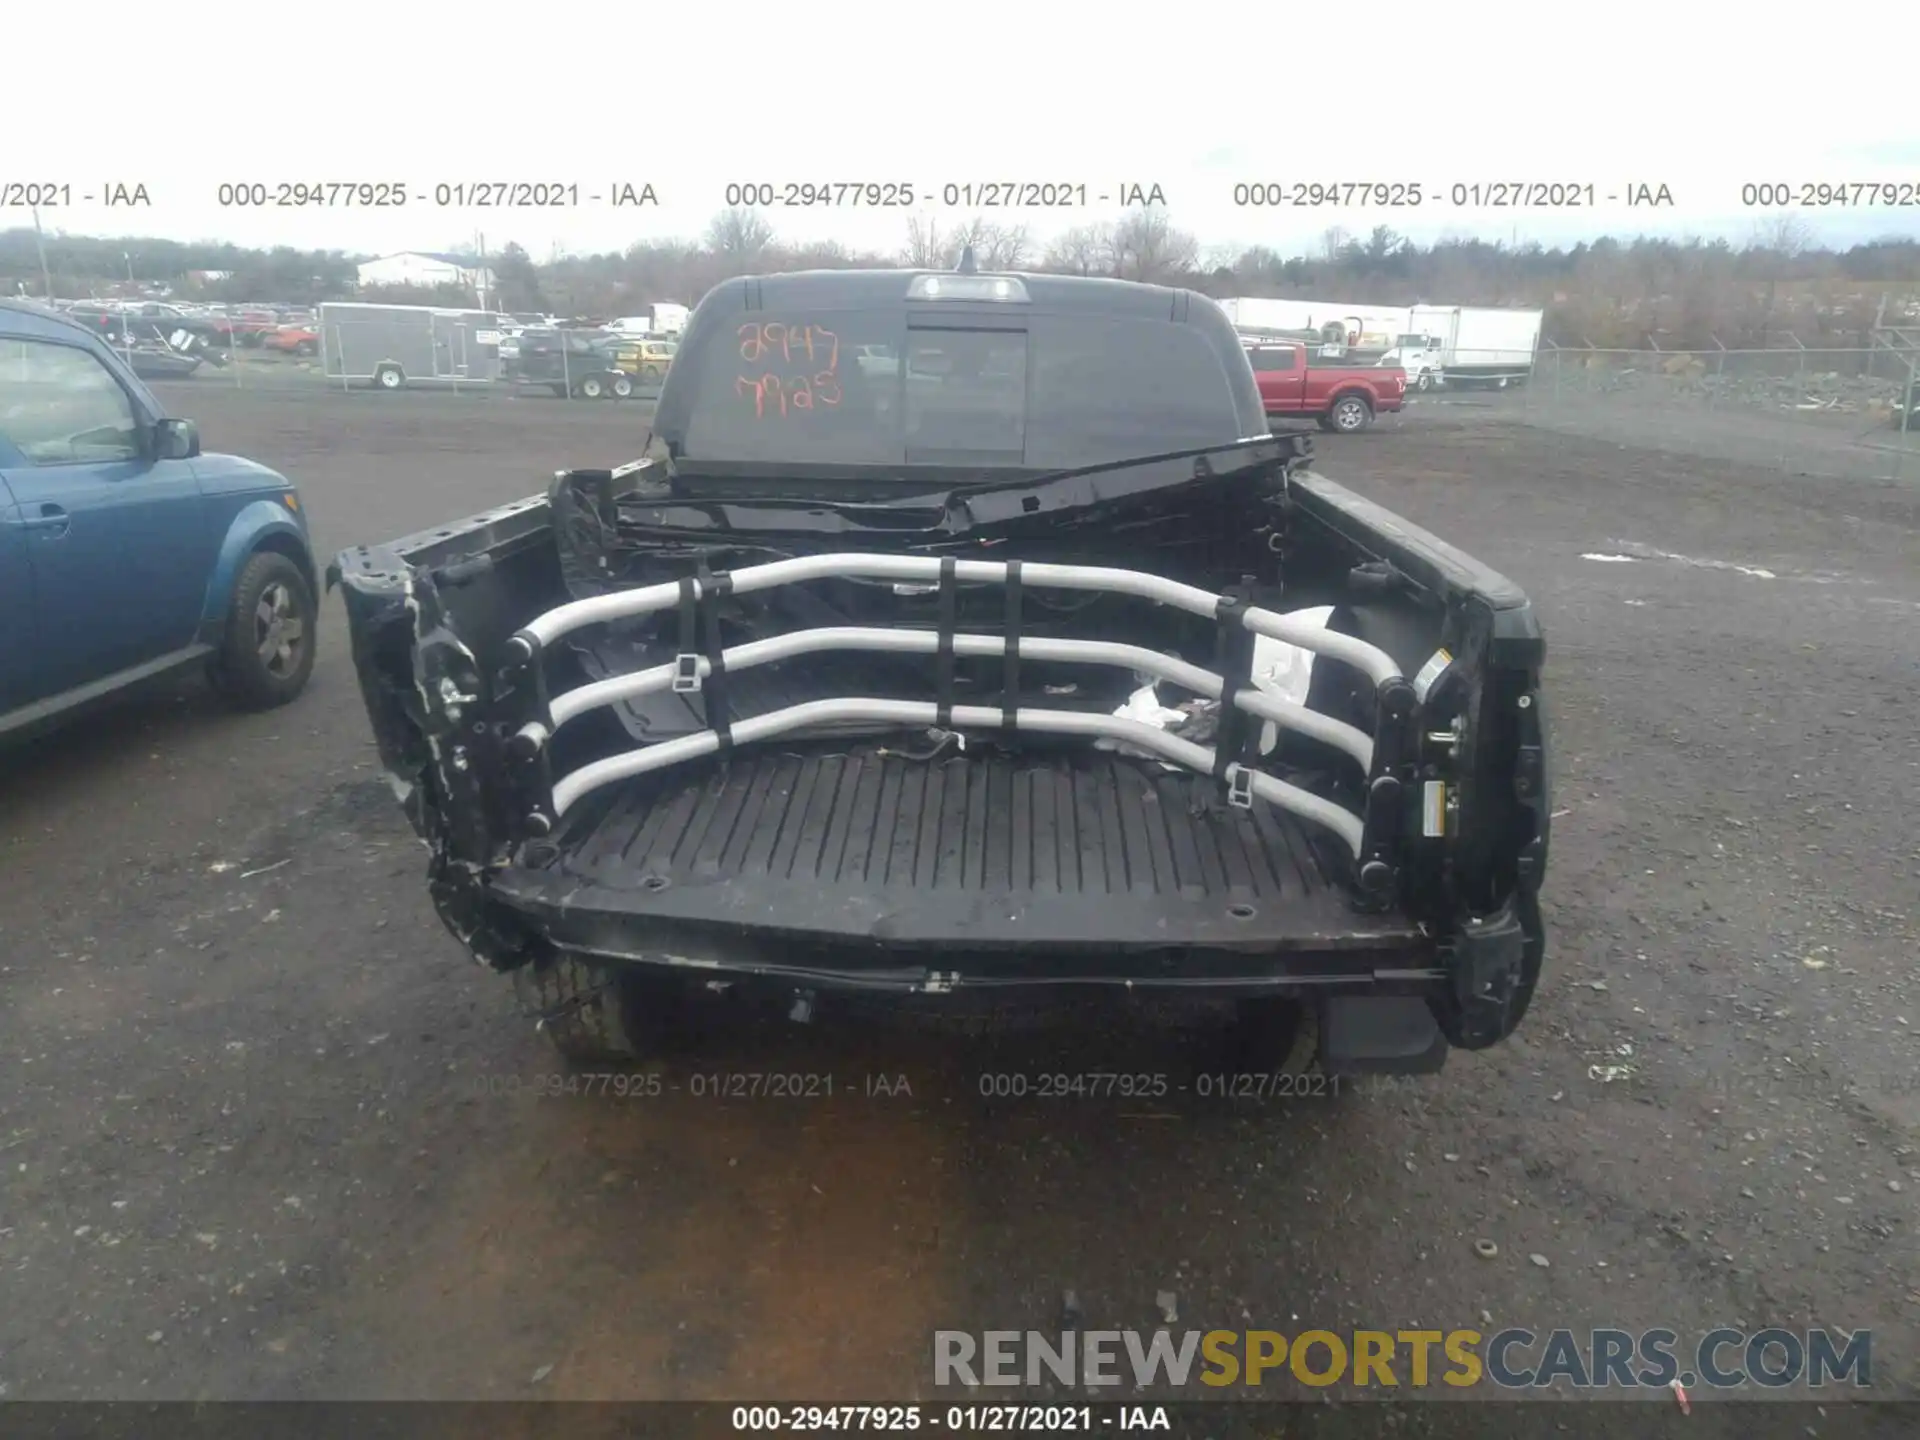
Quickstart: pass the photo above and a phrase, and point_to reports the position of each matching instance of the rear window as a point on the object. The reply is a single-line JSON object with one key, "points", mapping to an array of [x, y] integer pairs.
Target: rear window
{"points": [[883, 387]]}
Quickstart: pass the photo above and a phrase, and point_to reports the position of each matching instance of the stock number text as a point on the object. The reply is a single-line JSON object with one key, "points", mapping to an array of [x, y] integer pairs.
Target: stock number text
{"points": [[1317, 194], [1830, 195], [299, 194], [826, 1417], [878, 194], [1086, 1084]]}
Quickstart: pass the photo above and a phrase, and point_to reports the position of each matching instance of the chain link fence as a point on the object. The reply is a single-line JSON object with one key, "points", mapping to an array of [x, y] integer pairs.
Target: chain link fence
{"points": [[1819, 411]]}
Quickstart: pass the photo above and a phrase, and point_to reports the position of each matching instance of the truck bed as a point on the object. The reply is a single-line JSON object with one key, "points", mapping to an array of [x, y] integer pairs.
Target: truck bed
{"points": [[1083, 850]]}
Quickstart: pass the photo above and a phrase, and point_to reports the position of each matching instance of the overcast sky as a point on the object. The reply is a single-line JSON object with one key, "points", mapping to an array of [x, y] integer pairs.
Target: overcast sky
{"points": [[1193, 98]]}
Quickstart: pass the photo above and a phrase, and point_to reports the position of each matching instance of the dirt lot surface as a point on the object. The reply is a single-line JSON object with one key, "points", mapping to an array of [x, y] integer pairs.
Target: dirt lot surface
{"points": [[267, 1132]]}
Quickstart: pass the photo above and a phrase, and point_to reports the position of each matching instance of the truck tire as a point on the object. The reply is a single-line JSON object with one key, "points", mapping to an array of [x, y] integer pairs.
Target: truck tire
{"points": [[1425, 382], [1349, 414], [266, 654], [622, 385], [389, 377], [592, 387], [591, 1013], [1275, 1036]]}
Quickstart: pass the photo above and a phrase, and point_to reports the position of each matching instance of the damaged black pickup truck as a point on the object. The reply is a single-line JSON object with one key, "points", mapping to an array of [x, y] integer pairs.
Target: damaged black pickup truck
{"points": [[972, 640]]}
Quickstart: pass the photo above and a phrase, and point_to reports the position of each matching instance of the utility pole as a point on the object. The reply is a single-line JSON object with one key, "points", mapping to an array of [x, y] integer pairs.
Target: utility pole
{"points": [[40, 244]]}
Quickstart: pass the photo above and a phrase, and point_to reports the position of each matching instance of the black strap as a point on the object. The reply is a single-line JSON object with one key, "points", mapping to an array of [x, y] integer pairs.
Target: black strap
{"points": [[689, 616], [1010, 684], [1234, 661], [949, 613], [714, 589], [686, 673]]}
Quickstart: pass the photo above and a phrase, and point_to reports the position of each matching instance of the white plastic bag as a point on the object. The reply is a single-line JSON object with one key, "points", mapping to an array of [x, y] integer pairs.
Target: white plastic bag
{"points": [[1285, 671]]}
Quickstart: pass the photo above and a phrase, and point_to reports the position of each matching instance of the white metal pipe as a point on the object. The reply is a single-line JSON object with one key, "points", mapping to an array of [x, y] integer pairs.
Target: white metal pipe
{"points": [[651, 599], [1370, 660], [656, 678], [915, 713]]}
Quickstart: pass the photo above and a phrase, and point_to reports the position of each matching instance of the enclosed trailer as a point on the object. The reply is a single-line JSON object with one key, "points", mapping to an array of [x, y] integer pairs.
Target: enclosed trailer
{"points": [[395, 345], [661, 319], [1479, 345], [1351, 326]]}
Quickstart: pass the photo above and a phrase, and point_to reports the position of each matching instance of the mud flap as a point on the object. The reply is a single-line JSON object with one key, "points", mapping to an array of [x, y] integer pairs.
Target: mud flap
{"points": [[1380, 1035], [1488, 992]]}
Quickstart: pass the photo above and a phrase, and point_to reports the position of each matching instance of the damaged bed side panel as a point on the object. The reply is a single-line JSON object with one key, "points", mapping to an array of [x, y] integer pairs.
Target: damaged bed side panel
{"points": [[429, 704]]}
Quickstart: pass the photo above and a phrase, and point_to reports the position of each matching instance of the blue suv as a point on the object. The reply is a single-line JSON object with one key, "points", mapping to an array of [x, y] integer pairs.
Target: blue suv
{"points": [[124, 551]]}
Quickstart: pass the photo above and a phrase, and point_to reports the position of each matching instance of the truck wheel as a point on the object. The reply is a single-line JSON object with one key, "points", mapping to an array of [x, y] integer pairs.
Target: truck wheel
{"points": [[389, 377], [594, 1014], [622, 386], [1275, 1036], [1425, 382], [306, 347], [1350, 413], [266, 655], [592, 387]]}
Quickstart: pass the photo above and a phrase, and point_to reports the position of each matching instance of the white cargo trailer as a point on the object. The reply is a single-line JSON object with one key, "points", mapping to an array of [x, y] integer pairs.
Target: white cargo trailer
{"points": [[395, 345], [1350, 326], [661, 319], [1468, 345]]}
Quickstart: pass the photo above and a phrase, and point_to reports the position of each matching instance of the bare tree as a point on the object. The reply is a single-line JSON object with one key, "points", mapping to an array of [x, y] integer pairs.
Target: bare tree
{"points": [[925, 248], [1003, 247], [1079, 251], [1145, 246], [1783, 241], [1333, 243], [973, 234], [1787, 236], [739, 236]]}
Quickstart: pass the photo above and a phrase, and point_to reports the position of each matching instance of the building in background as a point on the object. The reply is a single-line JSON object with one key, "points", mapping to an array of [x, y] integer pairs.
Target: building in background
{"points": [[413, 267]]}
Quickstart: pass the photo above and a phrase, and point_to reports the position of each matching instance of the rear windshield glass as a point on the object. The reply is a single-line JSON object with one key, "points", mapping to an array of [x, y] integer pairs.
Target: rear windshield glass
{"points": [[877, 387]]}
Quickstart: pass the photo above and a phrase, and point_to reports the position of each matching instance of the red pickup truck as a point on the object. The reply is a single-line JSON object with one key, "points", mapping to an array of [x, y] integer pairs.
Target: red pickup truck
{"points": [[1343, 398]]}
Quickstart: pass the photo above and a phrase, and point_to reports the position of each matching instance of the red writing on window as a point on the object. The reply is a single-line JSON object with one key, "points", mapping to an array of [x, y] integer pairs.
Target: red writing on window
{"points": [[774, 342], [784, 394], [801, 367]]}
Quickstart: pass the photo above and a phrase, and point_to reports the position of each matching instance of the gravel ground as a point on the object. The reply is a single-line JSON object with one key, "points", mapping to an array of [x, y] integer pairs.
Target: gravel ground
{"points": [[267, 1133]]}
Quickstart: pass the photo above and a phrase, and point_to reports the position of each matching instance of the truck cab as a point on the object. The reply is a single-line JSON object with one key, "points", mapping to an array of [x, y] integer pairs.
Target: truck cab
{"points": [[1422, 357]]}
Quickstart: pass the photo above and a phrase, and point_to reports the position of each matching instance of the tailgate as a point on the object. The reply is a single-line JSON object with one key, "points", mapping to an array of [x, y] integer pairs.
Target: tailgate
{"points": [[1082, 849]]}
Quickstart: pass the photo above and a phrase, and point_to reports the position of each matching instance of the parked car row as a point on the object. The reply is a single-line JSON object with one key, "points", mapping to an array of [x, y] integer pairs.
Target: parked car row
{"points": [[587, 364], [167, 340]]}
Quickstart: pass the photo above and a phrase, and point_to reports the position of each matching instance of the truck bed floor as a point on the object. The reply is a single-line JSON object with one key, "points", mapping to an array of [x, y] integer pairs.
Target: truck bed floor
{"points": [[1086, 850]]}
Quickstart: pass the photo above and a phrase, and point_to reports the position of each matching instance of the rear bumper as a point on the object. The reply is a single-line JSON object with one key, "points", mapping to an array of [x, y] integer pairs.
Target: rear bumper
{"points": [[1374, 1011]]}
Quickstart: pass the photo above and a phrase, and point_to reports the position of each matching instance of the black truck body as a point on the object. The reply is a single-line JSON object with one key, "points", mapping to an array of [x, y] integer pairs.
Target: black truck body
{"points": [[842, 694]]}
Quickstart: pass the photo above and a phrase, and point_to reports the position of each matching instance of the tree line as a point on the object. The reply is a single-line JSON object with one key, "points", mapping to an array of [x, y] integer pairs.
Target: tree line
{"points": [[1633, 292]]}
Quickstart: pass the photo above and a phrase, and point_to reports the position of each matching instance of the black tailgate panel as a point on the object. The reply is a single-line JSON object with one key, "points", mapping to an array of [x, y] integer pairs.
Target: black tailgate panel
{"points": [[1082, 849]]}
